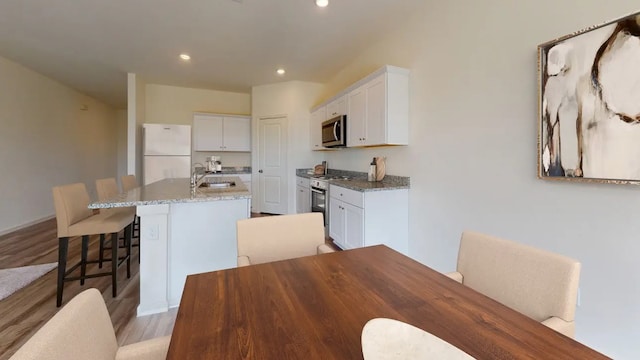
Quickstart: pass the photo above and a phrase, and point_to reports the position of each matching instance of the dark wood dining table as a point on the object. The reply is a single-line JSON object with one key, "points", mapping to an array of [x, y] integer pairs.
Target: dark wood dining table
{"points": [[315, 308]]}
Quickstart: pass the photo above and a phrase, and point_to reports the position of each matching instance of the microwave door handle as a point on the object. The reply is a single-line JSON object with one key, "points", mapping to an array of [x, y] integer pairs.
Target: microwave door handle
{"points": [[335, 130]]}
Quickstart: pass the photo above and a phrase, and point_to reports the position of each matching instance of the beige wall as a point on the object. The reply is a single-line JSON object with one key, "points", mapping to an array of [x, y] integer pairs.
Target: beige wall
{"points": [[472, 153], [176, 105], [121, 131], [48, 140], [294, 100]]}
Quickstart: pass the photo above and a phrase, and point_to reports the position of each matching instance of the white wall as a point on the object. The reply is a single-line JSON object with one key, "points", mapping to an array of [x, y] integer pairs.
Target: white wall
{"points": [[48, 140], [293, 99], [176, 105], [472, 153]]}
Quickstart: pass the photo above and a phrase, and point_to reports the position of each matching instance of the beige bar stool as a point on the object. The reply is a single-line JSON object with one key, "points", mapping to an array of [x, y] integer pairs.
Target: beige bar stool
{"points": [[108, 188], [74, 218], [129, 182]]}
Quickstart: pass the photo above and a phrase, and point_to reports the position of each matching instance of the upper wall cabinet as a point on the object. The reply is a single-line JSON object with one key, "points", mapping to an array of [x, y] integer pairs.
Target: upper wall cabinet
{"points": [[337, 107], [216, 132], [378, 110], [317, 117]]}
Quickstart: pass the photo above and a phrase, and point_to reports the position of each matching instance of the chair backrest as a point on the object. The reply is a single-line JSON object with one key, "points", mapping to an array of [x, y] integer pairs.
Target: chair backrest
{"points": [[106, 188], [273, 238], [387, 339], [129, 182], [81, 330], [535, 282], [71, 203]]}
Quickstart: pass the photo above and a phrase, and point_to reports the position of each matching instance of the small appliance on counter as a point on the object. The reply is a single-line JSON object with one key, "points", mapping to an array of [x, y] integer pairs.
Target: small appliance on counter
{"points": [[213, 164], [321, 169]]}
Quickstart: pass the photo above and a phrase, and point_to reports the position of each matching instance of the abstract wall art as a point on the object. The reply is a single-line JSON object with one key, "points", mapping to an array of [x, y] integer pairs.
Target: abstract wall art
{"points": [[589, 104]]}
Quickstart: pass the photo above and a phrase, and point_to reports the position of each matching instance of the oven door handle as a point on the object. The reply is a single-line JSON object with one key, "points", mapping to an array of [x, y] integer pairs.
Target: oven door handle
{"points": [[317, 191]]}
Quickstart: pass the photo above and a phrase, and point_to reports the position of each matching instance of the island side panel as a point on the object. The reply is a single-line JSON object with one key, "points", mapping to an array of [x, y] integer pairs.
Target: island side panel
{"points": [[203, 238], [154, 240]]}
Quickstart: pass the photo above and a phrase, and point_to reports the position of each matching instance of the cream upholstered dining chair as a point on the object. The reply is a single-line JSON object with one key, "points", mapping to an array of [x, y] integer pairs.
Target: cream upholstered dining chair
{"points": [[537, 283], [280, 237], [388, 339], [74, 218], [82, 330], [108, 188]]}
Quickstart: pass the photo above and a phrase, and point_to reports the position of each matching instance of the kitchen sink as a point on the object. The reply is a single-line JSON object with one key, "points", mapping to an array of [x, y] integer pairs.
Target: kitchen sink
{"points": [[218, 184]]}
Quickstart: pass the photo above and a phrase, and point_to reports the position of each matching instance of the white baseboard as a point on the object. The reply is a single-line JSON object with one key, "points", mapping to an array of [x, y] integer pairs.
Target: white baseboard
{"points": [[25, 225]]}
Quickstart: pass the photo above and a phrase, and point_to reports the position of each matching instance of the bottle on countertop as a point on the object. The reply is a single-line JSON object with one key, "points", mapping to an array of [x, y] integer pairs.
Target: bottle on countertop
{"points": [[371, 176]]}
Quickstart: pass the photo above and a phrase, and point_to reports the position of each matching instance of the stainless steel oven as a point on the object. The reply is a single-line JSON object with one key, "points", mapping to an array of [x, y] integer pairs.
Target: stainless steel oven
{"points": [[320, 198]]}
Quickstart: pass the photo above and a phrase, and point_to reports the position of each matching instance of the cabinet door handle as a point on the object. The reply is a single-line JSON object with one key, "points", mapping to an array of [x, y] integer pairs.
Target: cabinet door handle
{"points": [[260, 171]]}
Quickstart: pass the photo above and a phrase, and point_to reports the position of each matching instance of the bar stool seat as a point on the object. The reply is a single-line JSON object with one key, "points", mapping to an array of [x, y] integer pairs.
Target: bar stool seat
{"points": [[74, 218]]}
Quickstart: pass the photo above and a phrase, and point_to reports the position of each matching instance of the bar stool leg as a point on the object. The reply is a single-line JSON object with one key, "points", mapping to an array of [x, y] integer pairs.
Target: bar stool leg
{"points": [[114, 264], [83, 263], [128, 234], [101, 256], [63, 246]]}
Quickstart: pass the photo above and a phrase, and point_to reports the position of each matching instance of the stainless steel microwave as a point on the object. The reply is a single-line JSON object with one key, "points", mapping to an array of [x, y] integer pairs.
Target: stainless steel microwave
{"points": [[334, 132]]}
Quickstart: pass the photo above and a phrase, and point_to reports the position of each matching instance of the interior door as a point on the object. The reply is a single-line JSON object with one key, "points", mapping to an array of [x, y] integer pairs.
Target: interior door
{"points": [[272, 163]]}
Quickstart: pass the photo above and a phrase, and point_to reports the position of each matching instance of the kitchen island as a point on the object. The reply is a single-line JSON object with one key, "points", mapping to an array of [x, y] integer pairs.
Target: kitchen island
{"points": [[182, 232]]}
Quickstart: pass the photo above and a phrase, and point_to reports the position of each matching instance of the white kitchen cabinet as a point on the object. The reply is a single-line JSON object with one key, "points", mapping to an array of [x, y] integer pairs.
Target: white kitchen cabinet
{"points": [[346, 224], [315, 128], [378, 110], [303, 195], [215, 132], [337, 107], [358, 219]]}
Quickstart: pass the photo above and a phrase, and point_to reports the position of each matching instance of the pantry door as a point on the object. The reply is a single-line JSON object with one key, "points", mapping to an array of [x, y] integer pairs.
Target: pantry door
{"points": [[272, 164]]}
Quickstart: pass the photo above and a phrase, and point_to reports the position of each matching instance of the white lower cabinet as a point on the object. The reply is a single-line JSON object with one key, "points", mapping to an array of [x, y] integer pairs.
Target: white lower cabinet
{"points": [[303, 195], [358, 219]]}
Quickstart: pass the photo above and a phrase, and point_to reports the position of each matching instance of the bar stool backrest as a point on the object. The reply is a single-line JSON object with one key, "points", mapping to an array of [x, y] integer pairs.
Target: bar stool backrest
{"points": [[71, 203], [106, 188], [129, 182]]}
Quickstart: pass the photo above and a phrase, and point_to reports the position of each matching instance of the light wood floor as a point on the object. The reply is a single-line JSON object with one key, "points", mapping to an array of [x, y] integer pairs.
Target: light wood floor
{"points": [[24, 312]]}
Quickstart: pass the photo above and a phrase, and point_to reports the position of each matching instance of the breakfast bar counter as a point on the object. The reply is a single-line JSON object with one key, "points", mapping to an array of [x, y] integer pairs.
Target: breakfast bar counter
{"points": [[182, 232]]}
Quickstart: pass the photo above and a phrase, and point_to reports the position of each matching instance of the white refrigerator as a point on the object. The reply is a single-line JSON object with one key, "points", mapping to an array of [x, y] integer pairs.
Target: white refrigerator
{"points": [[167, 152]]}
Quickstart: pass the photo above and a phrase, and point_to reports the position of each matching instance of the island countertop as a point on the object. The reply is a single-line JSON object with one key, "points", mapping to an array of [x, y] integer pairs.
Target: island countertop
{"points": [[171, 191]]}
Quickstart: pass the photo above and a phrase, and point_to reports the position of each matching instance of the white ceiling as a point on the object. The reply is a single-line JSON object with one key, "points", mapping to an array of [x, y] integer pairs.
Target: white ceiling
{"points": [[90, 45]]}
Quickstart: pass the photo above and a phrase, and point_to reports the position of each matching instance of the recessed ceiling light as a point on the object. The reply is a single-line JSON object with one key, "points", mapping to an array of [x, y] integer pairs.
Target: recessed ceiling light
{"points": [[322, 3], [185, 57], [280, 71]]}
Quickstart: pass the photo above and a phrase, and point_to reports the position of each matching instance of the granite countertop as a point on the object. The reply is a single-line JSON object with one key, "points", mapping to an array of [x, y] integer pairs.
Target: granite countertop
{"points": [[172, 191], [358, 180]]}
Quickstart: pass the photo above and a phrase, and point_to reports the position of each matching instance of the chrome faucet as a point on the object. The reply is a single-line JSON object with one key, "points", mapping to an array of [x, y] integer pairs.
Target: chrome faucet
{"points": [[195, 180]]}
